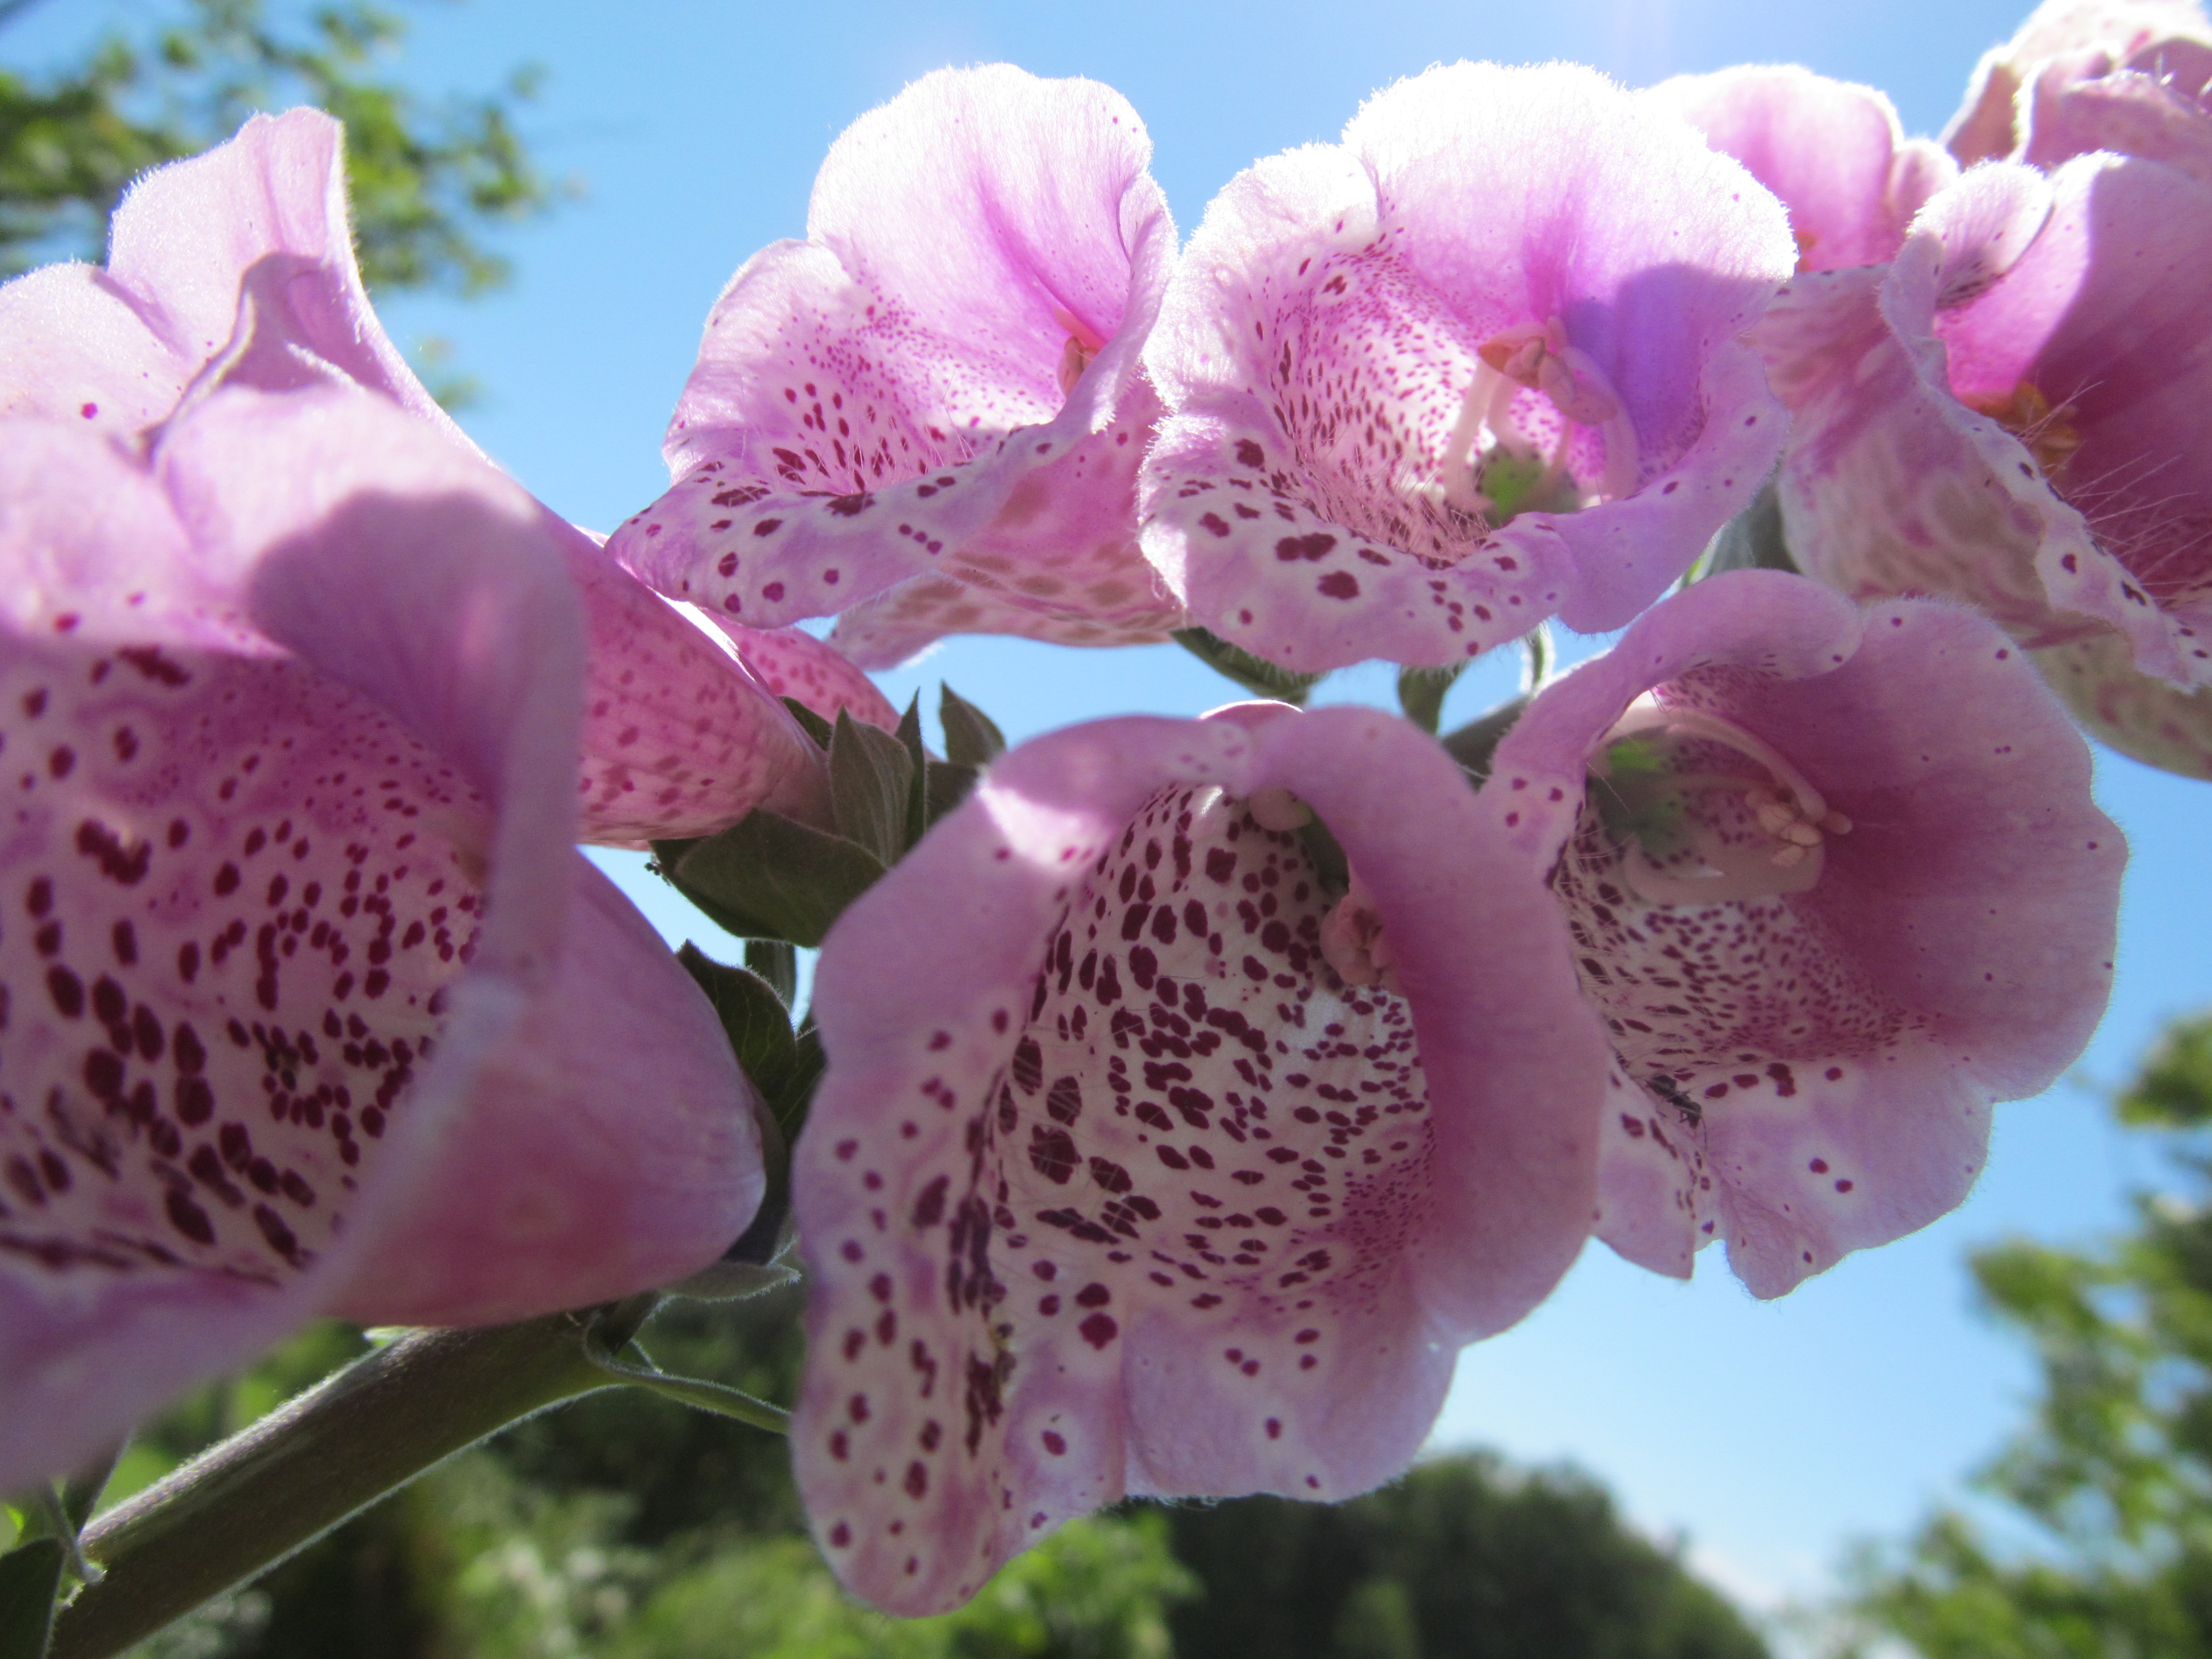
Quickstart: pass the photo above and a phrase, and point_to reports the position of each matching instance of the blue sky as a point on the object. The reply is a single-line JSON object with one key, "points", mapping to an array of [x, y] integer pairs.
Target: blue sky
{"points": [[1768, 1434]]}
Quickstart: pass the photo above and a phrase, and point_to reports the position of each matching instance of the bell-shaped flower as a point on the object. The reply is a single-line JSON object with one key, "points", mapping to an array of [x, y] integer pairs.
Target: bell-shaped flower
{"points": [[1833, 152], [2081, 41], [2013, 414], [236, 268], [310, 1005], [1475, 365], [927, 416], [1834, 880], [1154, 1156]]}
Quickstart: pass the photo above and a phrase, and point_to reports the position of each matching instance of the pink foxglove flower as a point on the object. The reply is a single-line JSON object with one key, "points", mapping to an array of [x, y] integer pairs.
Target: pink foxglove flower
{"points": [[237, 268], [2082, 39], [1833, 152], [1146, 1163], [2012, 414], [311, 1005], [927, 416], [1397, 367], [1834, 880]]}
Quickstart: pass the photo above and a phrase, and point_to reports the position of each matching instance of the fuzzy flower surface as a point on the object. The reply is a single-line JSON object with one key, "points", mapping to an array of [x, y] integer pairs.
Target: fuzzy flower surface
{"points": [[1833, 152], [1152, 1159], [236, 268], [926, 418], [2013, 414], [1835, 882], [1474, 366]]}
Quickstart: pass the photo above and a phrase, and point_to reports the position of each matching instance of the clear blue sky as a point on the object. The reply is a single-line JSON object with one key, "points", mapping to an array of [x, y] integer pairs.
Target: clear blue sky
{"points": [[1769, 1434]]}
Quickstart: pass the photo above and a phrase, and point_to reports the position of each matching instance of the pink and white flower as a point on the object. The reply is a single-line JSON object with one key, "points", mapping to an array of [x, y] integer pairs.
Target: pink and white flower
{"points": [[1147, 1163], [927, 417], [1833, 879], [1474, 366]]}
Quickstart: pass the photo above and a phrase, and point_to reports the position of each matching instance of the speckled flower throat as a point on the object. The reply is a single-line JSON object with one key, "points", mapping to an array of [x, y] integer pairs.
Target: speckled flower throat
{"points": [[213, 836], [1198, 1127]]}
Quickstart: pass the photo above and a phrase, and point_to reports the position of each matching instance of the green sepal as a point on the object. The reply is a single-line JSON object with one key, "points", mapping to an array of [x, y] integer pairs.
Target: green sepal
{"points": [[971, 736], [816, 727], [30, 1578], [948, 784], [870, 777], [1472, 745], [917, 789], [1255, 674], [778, 963], [1421, 693], [1753, 540], [769, 877], [1331, 868]]}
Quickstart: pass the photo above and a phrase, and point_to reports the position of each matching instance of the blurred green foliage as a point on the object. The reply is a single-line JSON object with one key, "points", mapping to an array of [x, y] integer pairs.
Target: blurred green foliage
{"points": [[2106, 1552], [1463, 1559], [624, 1527]]}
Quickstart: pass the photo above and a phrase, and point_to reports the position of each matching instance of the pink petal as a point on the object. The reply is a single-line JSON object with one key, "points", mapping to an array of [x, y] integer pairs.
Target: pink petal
{"points": [[890, 398], [795, 665], [1985, 128], [2131, 712], [1838, 1048], [1833, 152], [1113, 1186], [296, 923], [1317, 344]]}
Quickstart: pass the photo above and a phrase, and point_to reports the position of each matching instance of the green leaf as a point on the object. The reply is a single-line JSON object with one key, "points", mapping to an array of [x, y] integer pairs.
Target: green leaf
{"points": [[716, 1397], [1472, 744], [816, 726], [1421, 693], [753, 1016], [948, 784], [1753, 540], [776, 962], [971, 736], [1331, 868], [29, 1579], [917, 789], [770, 877], [1254, 674], [870, 776]]}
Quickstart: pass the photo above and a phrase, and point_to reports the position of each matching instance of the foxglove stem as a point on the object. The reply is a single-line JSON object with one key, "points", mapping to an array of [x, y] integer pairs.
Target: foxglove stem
{"points": [[245, 1505]]}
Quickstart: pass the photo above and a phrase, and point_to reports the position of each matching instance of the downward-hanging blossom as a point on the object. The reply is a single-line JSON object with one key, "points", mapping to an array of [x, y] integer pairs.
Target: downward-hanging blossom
{"points": [[1833, 152], [926, 418], [1156, 1156], [1835, 882], [236, 268], [310, 1005], [1475, 365], [2014, 413]]}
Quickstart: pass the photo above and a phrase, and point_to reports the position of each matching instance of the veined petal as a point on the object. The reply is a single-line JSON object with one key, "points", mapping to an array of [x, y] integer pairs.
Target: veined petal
{"points": [[1115, 1186], [794, 664], [943, 381], [2130, 711], [297, 909], [1810, 1072], [1532, 254]]}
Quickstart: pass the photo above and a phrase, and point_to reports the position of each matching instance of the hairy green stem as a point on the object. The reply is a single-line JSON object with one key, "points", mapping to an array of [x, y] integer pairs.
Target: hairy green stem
{"points": [[241, 1507]]}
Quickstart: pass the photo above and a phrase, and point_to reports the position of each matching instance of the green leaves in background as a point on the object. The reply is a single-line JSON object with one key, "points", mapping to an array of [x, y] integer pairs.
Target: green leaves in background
{"points": [[971, 736], [1753, 540], [1421, 693]]}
